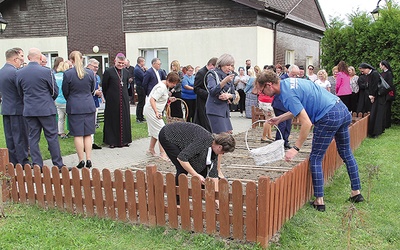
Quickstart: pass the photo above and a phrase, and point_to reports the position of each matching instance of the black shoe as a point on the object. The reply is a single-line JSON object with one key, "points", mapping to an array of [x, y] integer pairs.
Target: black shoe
{"points": [[356, 198], [81, 164], [287, 147], [95, 146], [88, 163], [320, 208], [139, 121]]}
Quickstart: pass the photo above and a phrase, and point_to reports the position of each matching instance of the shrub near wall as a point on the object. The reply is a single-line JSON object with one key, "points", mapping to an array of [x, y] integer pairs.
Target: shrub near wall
{"points": [[365, 40]]}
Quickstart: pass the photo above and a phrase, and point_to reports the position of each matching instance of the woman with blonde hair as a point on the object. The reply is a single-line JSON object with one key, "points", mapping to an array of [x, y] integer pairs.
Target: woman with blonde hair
{"points": [[176, 107], [332, 79], [323, 80], [354, 89], [60, 100], [251, 99], [78, 88]]}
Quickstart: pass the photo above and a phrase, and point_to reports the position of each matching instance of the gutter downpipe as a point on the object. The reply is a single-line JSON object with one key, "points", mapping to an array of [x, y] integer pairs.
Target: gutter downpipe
{"points": [[275, 25]]}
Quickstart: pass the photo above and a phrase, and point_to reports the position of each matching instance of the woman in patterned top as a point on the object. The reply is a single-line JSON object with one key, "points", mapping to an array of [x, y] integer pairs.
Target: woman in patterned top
{"points": [[194, 150]]}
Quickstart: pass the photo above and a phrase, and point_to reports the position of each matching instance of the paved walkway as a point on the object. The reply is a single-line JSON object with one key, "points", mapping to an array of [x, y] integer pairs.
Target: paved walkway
{"points": [[136, 153]]}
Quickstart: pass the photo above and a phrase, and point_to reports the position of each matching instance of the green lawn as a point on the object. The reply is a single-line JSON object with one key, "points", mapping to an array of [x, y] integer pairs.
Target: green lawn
{"points": [[373, 224]]}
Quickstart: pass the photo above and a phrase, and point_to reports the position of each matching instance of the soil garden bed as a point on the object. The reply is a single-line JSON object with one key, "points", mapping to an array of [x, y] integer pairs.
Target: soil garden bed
{"points": [[239, 165]]}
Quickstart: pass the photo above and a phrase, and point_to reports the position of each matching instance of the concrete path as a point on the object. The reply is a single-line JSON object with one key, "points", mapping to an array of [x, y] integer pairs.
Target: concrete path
{"points": [[136, 153]]}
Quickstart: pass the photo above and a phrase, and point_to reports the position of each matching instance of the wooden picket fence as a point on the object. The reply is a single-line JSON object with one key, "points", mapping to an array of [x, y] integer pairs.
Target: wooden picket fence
{"points": [[253, 211]]}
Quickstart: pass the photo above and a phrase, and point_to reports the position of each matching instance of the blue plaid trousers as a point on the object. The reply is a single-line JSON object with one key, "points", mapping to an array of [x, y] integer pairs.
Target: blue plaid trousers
{"points": [[334, 124]]}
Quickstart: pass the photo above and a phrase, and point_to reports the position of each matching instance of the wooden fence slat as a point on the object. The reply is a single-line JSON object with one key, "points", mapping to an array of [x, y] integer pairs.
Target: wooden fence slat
{"points": [[4, 161], [130, 195], [48, 186], [21, 183], [66, 183], [141, 188], [237, 209], [289, 195], [264, 220], [159, 198], [109, 195], [76, 183], [272, 211], [197, 205], [302, 185], [223, 196], [87, 191], [120, 194], [150, 171], [184, 202], [98, 193], [13, 182], [29, 185], [251, 211], [210, 206], [57, 188], [297, 188], [293, 191], [281, 182], [276, 206], [171, 199]]}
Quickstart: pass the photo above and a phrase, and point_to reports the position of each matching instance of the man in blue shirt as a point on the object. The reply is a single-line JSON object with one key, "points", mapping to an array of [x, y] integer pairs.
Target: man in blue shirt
{"points": [[314, 105]]}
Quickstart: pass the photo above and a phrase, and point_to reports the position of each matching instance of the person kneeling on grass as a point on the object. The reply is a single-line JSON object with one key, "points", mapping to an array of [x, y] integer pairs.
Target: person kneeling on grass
{"points": [[194, 150], [331, 118]]}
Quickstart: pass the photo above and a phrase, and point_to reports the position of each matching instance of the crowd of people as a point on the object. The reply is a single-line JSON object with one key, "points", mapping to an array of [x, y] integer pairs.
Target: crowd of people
{"points": [[33, 95]]}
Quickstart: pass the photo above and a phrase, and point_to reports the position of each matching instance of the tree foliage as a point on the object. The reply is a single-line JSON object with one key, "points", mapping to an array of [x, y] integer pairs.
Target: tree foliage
{"points": [[365, 40]]}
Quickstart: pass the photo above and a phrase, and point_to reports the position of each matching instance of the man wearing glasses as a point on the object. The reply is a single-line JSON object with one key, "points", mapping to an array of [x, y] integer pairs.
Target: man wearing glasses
{"points": [[314, 105], [15, 127], [94, 66]]}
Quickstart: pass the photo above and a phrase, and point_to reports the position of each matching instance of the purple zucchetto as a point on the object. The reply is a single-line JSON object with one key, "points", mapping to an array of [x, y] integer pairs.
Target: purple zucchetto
{"points": [[120, 55]]}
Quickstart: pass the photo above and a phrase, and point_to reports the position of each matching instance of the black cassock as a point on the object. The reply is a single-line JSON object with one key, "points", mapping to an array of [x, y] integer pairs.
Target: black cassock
{"points": [[377, 116], [117, 119]]}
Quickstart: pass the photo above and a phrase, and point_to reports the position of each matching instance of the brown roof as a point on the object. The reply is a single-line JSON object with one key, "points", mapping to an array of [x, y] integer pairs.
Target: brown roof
{"points": [[292, 9]]}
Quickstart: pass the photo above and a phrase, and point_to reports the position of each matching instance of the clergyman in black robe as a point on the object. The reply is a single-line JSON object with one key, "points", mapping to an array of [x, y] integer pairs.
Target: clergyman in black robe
{"points": [[117, 119]]}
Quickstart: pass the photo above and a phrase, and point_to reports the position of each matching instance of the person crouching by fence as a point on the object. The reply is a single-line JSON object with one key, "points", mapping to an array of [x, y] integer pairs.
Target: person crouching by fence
{"points": [[194, 150], [331, 118]]}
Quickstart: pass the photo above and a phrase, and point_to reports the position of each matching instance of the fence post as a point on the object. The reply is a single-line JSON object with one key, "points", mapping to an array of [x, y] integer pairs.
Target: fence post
{"points": [[4, 160], [150, 171], [263, 222]]}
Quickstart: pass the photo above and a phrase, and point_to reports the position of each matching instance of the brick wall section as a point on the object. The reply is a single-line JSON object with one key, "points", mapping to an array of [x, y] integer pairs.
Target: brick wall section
{"points": [[44, 18], [308, 11], [302, 47], [95, 23], [142, 16]]}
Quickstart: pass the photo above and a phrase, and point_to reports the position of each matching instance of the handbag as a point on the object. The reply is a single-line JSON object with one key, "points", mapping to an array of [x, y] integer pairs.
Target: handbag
{"points": [[383, 87]]}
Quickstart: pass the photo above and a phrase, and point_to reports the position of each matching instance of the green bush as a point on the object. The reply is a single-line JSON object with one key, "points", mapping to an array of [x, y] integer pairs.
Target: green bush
{"points": [[365, 40]]}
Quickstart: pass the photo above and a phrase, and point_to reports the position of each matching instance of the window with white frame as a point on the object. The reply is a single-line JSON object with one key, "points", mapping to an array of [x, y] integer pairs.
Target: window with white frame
{"points": [[161, 53], [289, 57], [309, 61]]}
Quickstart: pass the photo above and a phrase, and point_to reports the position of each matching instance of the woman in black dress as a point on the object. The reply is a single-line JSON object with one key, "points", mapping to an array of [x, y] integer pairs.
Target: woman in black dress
{"points": [[388, 76], [377, 116]]}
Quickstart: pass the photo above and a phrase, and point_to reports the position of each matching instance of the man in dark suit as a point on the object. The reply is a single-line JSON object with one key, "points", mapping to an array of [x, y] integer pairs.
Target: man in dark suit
{"points": [[286, 126], [131, 82], [15, 127], [200, 116], [38, 88], [153, 76], [138, 74]]}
